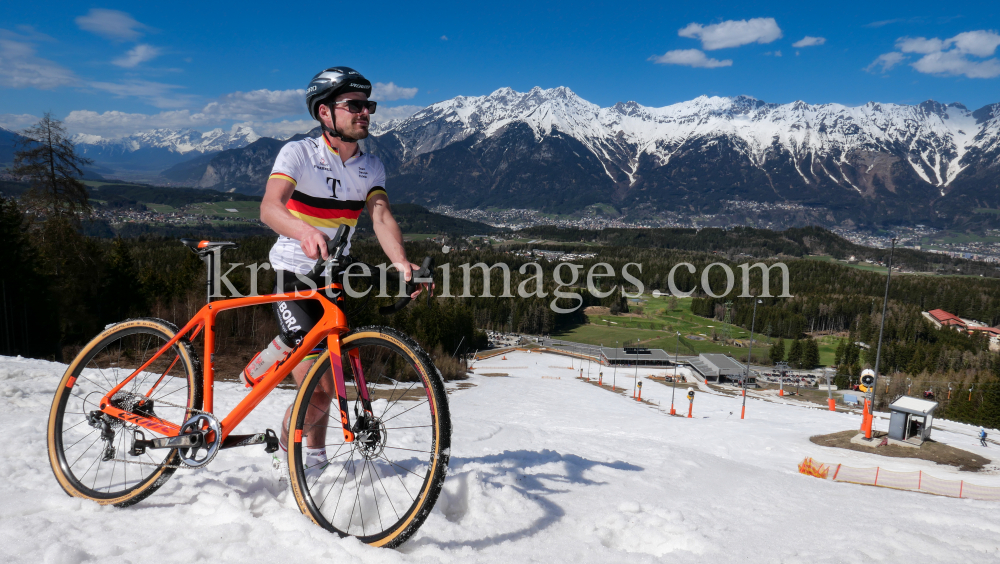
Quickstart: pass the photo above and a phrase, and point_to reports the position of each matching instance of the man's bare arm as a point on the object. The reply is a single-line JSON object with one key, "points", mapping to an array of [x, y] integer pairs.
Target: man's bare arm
{"points": [[276, 216], [390, 237]]}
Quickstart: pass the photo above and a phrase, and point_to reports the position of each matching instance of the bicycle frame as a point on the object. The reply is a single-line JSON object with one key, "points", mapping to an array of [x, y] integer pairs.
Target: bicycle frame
{"points": [[330, 327]]}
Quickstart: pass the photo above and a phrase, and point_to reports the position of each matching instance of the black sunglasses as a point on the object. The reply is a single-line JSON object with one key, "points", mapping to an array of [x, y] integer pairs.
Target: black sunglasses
{"points": [[355, 106]]}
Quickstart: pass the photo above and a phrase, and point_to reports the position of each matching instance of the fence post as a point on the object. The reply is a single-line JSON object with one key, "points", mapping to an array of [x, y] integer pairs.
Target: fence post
{"points": [[876, 474], [961, 486], [835, 473], [920, 479]]}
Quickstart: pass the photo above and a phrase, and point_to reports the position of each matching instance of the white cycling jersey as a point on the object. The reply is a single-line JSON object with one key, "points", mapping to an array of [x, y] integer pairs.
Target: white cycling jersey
{"points": [[328, 193]]}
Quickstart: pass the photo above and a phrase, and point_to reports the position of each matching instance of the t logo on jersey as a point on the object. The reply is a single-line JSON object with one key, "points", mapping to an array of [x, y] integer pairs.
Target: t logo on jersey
{"points": [[333, 182]]}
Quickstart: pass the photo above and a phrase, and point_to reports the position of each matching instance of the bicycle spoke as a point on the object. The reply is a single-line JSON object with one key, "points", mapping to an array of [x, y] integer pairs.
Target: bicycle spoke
{"points": [[386, 492], [410, 409]]}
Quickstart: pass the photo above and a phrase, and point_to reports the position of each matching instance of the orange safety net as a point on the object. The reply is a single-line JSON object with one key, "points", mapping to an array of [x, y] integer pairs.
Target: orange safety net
{"points": [[812, 468], [910, 481]]}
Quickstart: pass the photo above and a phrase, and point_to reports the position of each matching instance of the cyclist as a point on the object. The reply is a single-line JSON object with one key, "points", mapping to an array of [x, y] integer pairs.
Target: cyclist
{"points": [[317, 185]]}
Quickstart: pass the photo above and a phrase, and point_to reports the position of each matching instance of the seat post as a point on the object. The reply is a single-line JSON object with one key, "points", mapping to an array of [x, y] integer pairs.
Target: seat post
{"points": [[209, 259]]}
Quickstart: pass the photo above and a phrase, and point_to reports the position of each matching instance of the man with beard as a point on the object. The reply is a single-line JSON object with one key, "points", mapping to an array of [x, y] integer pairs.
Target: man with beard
{"points": [[316, 186]]}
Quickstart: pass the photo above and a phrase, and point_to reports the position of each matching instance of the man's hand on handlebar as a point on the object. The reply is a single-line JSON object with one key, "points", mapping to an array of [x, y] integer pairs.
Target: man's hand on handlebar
{"points": [[408, 268], [314, 244]]}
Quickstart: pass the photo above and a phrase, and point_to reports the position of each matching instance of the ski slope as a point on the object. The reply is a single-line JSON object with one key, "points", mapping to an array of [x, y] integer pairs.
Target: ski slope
{"points": [[544, 468]]}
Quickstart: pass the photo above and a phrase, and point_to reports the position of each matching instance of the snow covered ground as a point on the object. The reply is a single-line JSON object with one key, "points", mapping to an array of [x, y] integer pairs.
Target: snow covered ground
{"points": [[544, 468]]}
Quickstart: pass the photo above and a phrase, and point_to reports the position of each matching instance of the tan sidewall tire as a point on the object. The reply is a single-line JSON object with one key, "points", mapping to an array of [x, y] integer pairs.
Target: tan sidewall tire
{"points": [[156, 479], [442, 437]]}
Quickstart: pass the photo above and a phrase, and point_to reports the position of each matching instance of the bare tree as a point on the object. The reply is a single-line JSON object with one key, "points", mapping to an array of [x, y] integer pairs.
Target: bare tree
{"points": [[49, 160]]}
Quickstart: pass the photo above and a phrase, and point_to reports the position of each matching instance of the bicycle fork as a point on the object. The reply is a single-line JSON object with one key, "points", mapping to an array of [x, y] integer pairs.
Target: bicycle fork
{"points": [[360, 429]]}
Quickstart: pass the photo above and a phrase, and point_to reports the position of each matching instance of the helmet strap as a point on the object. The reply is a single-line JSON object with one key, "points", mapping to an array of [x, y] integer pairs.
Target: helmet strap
{"points": [[332, 131]]}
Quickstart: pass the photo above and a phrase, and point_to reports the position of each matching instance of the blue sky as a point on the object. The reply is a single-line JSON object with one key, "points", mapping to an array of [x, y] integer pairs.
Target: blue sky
{"points": [[112, 68]]}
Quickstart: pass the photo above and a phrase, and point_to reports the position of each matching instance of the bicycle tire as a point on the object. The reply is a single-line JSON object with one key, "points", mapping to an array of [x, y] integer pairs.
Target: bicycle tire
{"points": [[387, 356], [94, 371]]}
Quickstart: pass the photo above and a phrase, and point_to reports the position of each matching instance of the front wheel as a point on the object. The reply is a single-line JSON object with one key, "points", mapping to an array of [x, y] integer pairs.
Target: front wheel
{"points": [[381, 486]]}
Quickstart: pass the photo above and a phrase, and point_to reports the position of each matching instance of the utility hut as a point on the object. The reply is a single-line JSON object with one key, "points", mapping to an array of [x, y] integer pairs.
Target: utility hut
{"points": [[911, 419]]}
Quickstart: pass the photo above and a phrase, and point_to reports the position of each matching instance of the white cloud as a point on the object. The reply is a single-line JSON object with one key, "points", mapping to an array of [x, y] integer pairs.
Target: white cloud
{"points": [[444, 38], [279, 129], [690, 58], [808, 41], [156, 94], [980, 43], [111, 24], [949, 56], [919, 45], [21, 68], [136, 55], [114, 124], [15, 122], [733, 33], [389, 92], [257, 105], [886, 61], [773, 53], [255, 108], [954, 62]]}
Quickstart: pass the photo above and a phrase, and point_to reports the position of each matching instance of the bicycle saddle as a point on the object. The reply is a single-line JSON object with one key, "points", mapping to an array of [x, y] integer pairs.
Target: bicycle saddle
{"points": [[202, 247]]}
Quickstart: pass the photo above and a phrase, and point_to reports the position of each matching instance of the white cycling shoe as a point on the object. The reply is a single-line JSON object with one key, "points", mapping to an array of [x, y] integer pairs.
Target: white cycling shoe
{"points": [[315, 463]]}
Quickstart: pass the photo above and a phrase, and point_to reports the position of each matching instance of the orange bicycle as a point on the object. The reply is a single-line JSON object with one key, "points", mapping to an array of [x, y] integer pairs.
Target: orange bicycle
{"points": [[136, 404]]}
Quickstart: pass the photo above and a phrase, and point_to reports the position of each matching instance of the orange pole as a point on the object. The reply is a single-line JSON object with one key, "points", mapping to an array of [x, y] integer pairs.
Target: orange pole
{"points": [[781, 392], [690, 407], [833, 404], [640, 395], [743, 412], [672, 410], [866, 422]]}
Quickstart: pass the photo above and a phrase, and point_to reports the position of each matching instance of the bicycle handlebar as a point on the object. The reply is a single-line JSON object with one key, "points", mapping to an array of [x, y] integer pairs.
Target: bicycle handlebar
{"points": [[420, 276], [335, 248]]}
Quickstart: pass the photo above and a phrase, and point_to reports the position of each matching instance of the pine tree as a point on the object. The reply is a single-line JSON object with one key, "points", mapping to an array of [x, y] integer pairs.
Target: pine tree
{"points": [[810, 354], [49, 161], [777, 353], [795, 353]]}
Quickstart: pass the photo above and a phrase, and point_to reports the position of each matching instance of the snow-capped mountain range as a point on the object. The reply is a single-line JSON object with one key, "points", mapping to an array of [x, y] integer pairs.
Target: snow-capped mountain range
{"points": [[934, 137], [178, 141], [552, 149]]}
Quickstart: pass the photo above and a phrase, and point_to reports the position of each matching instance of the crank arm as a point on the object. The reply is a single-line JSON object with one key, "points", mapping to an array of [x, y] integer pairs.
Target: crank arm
{"points": [[268, 438], [192, 440]]}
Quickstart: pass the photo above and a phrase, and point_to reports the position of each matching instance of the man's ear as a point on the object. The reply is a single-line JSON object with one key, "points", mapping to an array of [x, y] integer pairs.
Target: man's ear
{"points": [[324, 111]]}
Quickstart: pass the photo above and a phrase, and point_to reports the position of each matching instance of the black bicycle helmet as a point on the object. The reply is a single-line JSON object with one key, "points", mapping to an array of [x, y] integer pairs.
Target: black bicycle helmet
{"points": [[325, 86]]}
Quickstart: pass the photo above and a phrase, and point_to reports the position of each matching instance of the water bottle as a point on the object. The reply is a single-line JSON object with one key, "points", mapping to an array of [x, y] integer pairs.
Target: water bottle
{"points": [[277, 351]]}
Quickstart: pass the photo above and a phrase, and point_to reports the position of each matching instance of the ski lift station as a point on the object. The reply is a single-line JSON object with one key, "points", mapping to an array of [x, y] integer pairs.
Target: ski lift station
{"points": [[632, 355], [720, 369], [910, 420]]}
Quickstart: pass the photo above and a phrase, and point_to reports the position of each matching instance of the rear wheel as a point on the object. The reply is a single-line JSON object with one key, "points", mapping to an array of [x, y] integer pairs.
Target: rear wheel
{"points": [[89, 450], [381, 486]]}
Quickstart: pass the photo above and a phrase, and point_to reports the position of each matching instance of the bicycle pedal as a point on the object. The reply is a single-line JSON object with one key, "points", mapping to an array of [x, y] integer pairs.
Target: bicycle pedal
{"points": [[270, 441], [139, 444]]}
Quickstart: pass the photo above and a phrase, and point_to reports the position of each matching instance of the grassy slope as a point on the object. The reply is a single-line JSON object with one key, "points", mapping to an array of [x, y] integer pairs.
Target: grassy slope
{"points": [[606, 329]]}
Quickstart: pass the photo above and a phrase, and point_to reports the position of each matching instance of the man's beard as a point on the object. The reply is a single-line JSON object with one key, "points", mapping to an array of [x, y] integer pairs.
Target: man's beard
{"points": [[354, 133]]}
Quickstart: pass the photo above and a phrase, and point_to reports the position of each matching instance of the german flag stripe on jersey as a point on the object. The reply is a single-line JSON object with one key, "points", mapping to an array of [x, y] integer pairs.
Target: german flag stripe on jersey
{"points": [[325, 203], [324, 212], [375, 190], [327, 221], [283, 176]]}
